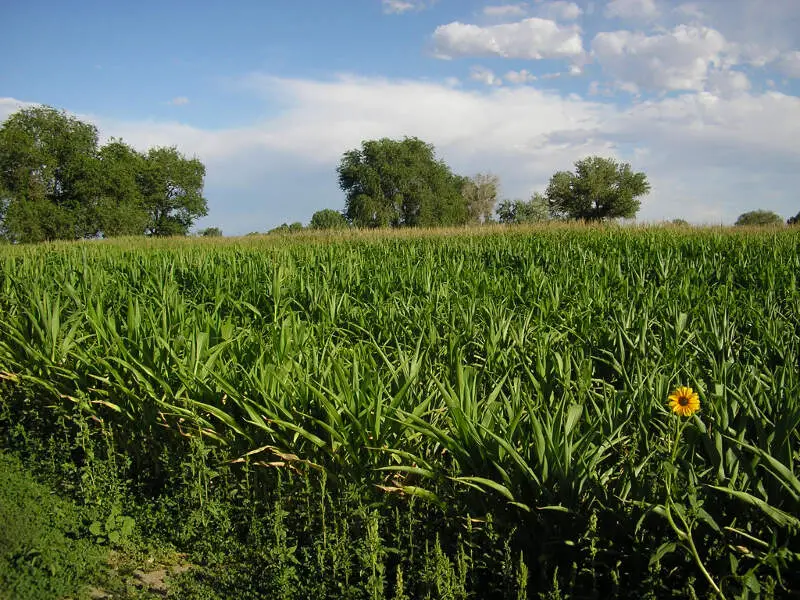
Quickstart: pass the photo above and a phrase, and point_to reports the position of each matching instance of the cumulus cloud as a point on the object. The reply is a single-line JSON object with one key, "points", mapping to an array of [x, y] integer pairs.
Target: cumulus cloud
{"points": [[680, 59], [525, 134], [789, 64], [762, 30], [324, 118], [559, 10], [520, 77], [532, 38], [633, 10], [727, 82], [485, 76]]}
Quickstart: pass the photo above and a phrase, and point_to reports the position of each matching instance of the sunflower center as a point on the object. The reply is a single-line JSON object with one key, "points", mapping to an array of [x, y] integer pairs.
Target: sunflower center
{"points": [[683, 401]]}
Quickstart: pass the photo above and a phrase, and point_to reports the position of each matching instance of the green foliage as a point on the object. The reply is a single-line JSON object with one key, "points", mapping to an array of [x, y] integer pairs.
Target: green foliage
{"points": [[535, 210], [328, 219], [56, 183], [795, 220], [172, 188], [599, 189], [210, 232], [759, 218], [42, 551], [306, 414], [47, 167], [284, 228], [114, 530], [120, 203], [400, 184]]}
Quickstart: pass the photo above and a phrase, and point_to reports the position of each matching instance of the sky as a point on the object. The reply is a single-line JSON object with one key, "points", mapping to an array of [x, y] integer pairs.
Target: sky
{"points": [[703, 96]]}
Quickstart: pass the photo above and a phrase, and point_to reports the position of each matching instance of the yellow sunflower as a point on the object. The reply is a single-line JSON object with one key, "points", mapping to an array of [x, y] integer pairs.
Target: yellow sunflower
{"points": [[684, 401]]}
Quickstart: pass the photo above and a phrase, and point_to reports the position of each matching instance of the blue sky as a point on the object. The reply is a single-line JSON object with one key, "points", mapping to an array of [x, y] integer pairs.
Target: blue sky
{"points": [[704, 96]]}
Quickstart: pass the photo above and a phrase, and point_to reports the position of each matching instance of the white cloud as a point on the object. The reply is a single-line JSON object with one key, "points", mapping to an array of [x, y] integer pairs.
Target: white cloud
{"points": [[633, 10], [325, 118], [179, 101], [398, 7], [485, 76], [675, 60], [520, 77], [505, 11], [727, 82], [691, 10], [756, 55], [532, 38], [768, 123], [789, 64], [559, 10], [8, 106], [760, 30]]}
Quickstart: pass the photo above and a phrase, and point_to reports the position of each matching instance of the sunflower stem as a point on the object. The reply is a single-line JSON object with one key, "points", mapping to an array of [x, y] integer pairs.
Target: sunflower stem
{"points": [[685, 535], [696, 556]]}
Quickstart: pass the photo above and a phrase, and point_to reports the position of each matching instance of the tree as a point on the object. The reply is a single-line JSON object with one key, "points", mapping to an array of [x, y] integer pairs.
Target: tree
{"points": [[56, 183], [172, 188], [535, 210], [400, 183], [48, 169], [600, 188], [795, 220], [328, 218], [480, 193], [120, 203], [295, 227], [759, 218], [210, 232]]}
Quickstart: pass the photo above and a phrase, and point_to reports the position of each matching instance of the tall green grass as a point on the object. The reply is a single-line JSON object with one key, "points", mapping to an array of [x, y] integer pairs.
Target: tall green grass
{"points": [[518, 373]]}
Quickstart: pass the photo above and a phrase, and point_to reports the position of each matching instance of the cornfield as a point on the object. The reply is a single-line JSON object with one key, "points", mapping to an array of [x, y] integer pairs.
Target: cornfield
{"points": [[524, 374]]}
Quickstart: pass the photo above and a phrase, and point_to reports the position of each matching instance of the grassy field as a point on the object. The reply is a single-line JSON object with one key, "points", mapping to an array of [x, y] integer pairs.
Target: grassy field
{"points": [[456, 414]]}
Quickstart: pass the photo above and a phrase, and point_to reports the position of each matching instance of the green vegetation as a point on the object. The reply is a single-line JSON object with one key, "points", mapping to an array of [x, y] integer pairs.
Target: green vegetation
{"points": [[56, 183], [42, 555], [759, 218], [210, 232], [328, 219], [535, 210], [400, 183], [467, 414], [599, 189]]}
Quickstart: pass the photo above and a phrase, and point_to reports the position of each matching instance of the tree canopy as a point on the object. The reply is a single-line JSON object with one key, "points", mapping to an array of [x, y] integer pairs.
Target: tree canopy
{"points": [[210, 232], [759, 218], [795, 220], [328, 218], [172, 188], [599, 189], [400, 183], [56, 182], [535, 210]]}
